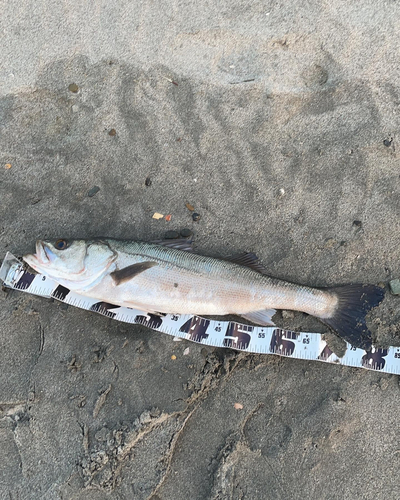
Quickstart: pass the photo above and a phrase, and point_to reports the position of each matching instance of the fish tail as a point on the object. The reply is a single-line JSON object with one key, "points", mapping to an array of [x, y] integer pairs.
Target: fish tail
{"points": [[349, 318]]}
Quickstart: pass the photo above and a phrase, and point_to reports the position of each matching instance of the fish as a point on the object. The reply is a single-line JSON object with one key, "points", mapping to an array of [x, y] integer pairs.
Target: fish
{"points": [[168, 277]]}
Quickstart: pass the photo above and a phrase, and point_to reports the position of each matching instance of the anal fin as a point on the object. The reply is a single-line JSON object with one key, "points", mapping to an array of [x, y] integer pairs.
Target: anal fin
{"points": [[262, 318]]}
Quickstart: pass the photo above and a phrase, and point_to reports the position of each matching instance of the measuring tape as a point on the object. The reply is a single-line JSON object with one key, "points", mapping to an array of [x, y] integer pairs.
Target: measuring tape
{"points": [[247, 338]]}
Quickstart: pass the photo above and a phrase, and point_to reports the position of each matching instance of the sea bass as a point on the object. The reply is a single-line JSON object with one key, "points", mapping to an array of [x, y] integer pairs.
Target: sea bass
{"points": [[168, 277]]}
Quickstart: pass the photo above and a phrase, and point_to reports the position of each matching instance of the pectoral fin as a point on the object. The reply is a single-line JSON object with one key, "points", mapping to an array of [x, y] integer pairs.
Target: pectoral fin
{"points": [[127, 273]]}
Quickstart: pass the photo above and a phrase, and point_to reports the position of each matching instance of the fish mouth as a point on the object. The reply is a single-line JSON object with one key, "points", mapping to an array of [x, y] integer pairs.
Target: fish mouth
{"points": [[42, 257]]}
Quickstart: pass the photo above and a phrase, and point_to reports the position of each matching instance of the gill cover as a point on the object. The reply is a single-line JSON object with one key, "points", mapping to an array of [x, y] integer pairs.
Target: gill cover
{"points": [[76, 264]]}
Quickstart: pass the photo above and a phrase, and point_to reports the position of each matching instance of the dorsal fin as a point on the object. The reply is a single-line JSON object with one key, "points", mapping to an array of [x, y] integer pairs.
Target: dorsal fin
{"points": [[248, 259], [178, 243]]}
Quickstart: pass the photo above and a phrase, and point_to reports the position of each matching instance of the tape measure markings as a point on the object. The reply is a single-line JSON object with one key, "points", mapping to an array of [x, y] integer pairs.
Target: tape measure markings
{"points": [[228, 334]]}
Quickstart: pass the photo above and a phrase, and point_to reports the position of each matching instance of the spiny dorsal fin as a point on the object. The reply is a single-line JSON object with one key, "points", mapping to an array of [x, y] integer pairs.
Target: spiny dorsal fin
{"points": [[248, 259], [178, 244], [127, 273]]}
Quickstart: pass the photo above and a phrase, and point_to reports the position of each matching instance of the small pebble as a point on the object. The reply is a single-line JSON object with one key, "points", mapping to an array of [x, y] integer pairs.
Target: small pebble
{"points": [[196, 216], [395, 286], [185, 233], [93, 191], [112, 132], [387, 142], [171, 235], [357, 223], [147, 182], [73, 88], [173, 357]]}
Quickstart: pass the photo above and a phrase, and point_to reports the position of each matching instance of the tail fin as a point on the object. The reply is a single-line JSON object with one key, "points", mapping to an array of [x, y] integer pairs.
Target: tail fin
{"points": [[349, 319]]}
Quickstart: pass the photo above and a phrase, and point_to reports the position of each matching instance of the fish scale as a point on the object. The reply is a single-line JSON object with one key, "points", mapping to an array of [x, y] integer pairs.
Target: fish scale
{"points": [[165, 277], [229, 287]]}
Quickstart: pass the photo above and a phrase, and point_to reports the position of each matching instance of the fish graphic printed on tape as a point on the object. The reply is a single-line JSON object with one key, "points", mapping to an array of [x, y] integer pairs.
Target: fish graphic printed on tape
{"points": [[247, 338]]}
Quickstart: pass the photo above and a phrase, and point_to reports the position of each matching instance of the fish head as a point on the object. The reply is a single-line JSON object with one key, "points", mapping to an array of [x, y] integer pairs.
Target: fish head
{"points": [[74, 263]]}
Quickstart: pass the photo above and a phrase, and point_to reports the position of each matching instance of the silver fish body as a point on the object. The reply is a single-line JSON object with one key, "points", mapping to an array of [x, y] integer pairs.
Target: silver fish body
{"points": [[159, 279], [186, 283]]}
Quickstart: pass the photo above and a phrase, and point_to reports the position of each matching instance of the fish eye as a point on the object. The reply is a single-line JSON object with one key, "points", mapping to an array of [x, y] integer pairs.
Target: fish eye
{"points": [[61, 244]]}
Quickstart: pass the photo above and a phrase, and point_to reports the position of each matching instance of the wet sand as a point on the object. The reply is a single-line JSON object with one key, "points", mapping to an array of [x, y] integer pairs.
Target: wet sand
{"points": [[279, 124]]}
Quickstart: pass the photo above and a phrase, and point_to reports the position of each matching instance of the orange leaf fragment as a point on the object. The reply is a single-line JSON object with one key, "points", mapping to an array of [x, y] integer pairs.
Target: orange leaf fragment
{"points": [[173, 357], [7, 166], [168, 218], [190, 207]]}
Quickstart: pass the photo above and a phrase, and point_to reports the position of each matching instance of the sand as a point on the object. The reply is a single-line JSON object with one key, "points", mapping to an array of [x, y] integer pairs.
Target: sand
{"points": [[279, 124]]}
